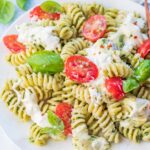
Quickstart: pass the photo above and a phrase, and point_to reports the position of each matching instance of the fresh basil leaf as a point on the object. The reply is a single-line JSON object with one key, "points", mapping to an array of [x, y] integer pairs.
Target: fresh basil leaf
{"points": [[130, 84], [2, 4], [55, 121], [51, 6], [51, 131], [21, 3], [7, 12], [46, 62], [142, 72]]}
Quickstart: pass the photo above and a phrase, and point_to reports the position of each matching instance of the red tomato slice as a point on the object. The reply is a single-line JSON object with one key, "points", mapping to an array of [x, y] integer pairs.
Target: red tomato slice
{"points": [[94, 28], [40, 14], [80, 69], [114, 86], [12, 44], [63, 111], [144, 49]]}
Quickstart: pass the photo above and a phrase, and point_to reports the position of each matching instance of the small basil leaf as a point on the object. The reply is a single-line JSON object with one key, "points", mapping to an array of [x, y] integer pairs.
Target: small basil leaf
{"points": [[51, 131], [7, 12], [46, 62], [130, 84], [51, 6], [55, 121], [2, 4], [142, 72], [21, 3]]}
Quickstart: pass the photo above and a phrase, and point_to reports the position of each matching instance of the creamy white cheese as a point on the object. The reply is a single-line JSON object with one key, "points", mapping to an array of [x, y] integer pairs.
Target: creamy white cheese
{"points": [[102, 57], [140, 107], [99, 144], [30, 33], [125, 123], [81, 132], [96, 97], [33, 110], [131, 29], [31, 107]]}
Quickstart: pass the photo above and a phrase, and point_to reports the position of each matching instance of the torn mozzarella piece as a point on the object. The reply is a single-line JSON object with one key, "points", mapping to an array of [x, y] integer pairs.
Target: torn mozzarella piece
{"points": [[30, 33]]}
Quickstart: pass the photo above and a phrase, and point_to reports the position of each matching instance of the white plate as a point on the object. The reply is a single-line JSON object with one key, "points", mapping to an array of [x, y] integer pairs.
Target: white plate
{"points": [[18, 131]]}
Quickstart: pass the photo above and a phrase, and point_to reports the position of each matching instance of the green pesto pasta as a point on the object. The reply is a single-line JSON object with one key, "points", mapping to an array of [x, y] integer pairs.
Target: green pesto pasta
{"points": [[115, 110], [76, 14], [46, 81], [79, 99], [65, 29], [36, 137], [24, 69], [146, 132], [40, 93], [131, 59], [92, 9], [55, 100], [118, 70], [73, 47], [21, 58], [134, 134], [93, 125], [11, 101], [142, 92]]}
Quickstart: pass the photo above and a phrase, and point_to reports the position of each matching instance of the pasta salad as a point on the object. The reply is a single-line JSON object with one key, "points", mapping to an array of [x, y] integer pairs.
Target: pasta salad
{"points": [[83, 71]]}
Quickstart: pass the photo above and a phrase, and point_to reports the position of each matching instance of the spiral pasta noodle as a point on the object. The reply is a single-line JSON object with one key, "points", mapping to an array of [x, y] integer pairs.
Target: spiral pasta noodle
{"points": [[108, 128], [146, 132], [93, 125], [11, 100], [47, 82], [64, 28], [24, 69], [133, 134], [40, 93], [118, 70], [21, 58], [115, 110], [81, 93], [67, 91], [44, 106], [78, 122], [92, 9], [142, 92], [73, 47], [110, 15], [75, 13], [96, 110], [127, 107], [55, 100], [36, 137], [132, 60]]}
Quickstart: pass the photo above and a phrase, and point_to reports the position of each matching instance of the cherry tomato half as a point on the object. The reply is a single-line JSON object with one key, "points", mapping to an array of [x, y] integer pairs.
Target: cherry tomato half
{"points": [[114, 86], [40, 14], [144, 49], [12, 44], [80, 69], [63, 111], [94, 28]]}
